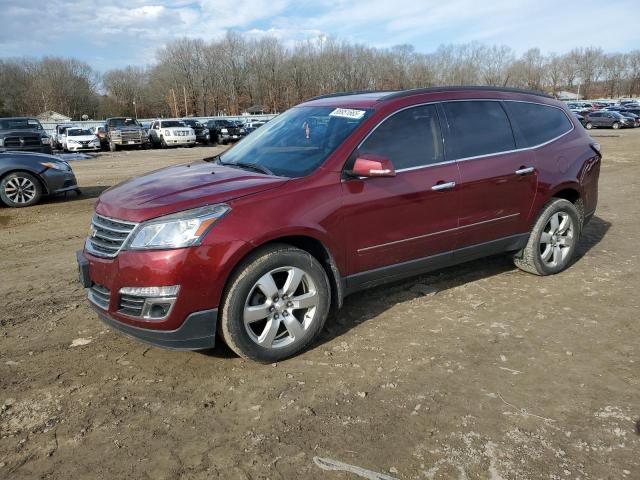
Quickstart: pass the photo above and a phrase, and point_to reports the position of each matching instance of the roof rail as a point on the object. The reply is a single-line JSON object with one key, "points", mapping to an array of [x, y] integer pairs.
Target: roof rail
{"points": [[345, 94], [417, 91]]}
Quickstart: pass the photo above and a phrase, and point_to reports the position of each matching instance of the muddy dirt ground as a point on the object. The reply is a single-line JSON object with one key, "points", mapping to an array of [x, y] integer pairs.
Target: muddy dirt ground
{"points": [[477, 371]]}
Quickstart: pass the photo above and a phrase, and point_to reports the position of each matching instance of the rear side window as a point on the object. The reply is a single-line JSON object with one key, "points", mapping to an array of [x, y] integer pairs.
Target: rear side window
{"points": [[410, 138], [477, 128], [538, 123]]}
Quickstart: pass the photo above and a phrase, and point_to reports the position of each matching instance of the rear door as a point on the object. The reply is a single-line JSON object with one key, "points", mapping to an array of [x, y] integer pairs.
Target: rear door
{"points": [[497, 180], [390, 220]]}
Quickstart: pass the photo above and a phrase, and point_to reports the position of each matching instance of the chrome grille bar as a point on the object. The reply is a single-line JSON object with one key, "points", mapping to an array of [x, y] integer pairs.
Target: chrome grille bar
{"points": [[108, 235]]}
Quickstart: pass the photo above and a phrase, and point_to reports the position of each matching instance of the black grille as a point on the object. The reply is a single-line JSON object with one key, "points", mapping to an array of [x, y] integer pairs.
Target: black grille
{"points": [[130, 305], [108, 235], [21, 141], [100, 296]]}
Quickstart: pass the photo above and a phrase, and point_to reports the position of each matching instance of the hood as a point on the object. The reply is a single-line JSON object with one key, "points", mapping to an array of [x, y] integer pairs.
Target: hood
{"points": [[180, 188]]}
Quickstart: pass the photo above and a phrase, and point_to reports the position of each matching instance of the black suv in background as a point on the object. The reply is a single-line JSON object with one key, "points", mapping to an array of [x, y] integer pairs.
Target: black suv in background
{"points": [[605, 118], [23, 135], [202, 132], [224, 131]]}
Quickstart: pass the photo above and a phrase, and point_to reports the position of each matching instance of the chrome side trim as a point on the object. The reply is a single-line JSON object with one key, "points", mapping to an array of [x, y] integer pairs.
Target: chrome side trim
{"points": [[360, 250]]}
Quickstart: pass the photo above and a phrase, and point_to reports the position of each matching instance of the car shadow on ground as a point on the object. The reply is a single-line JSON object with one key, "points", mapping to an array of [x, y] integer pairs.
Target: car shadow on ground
{"points": [[85, 193], [363, 306]]}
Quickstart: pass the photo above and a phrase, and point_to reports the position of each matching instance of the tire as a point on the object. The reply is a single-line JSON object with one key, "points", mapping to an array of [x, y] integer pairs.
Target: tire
{"points": [[112, 146], [163, 144], [552, 243], [615, 125], [588, 125], [275, 329], [20, 189]]}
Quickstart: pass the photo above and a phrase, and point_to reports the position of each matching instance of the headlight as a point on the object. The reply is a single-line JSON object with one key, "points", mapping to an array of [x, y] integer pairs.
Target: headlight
{"points": [[178, 230], [56, 165], [167, 133], [72, 141], [45, 140], [224, 130]]}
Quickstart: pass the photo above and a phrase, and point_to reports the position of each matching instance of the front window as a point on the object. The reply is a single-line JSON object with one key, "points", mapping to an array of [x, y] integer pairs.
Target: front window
{"points": [[123, 122], [297, 142], [20, 124], [172, 124], [78, 132]]}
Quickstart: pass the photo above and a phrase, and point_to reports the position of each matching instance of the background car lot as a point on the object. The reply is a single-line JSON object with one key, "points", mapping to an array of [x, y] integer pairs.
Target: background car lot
{"points": [[478, 367]]}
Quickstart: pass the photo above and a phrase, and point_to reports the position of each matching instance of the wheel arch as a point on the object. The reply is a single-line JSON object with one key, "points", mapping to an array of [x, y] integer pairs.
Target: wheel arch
{"points": [[309, 244]]}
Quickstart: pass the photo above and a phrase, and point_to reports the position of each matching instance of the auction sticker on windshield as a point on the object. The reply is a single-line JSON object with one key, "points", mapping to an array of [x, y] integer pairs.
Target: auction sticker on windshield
{"points": [[348, 113]]}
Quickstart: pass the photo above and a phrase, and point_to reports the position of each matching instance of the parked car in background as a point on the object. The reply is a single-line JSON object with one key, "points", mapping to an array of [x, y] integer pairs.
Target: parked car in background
{"points": [[223, 131], [101, 133], [76, 139], [605, 118], [23, 134], [182, 255], [251, 126], [202, 132], [124, 132], [25, 177], [633, 118], [58, 133], [171, 133]]}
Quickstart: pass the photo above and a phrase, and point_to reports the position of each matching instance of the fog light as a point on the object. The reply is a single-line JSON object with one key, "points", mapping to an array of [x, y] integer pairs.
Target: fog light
{"points": [[150, 303]]}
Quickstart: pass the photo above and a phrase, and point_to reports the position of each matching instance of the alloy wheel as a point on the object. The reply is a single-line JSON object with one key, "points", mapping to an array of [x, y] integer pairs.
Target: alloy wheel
{"points": [[281, 307], [20, 190], [557, 239]]}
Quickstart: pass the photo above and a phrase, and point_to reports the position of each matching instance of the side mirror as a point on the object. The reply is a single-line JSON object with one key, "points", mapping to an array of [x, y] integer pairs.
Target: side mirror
{"points": [[369, 165]]}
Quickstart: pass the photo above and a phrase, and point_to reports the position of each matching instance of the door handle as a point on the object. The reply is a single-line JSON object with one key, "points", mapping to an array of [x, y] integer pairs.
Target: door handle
{"points": [[524, 170], [443, 186]]}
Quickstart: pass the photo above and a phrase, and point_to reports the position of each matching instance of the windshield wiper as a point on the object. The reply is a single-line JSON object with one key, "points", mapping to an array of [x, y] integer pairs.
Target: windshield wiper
{"points": [[248, 166]]}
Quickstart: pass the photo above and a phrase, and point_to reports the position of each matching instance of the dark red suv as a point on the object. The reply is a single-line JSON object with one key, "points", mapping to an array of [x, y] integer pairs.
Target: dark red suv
{"points": [[338, 194]]}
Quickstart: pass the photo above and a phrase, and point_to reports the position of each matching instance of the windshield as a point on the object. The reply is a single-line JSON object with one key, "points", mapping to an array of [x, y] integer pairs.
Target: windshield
{"points": [[220, 123], [298, 141], [20, 124], [123, 122], [193, 123], [77, 132], [172, 123]]}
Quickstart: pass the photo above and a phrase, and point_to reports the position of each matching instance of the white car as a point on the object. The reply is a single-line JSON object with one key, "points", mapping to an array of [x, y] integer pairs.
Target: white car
{"points": [[167, 133], [77, 139]]}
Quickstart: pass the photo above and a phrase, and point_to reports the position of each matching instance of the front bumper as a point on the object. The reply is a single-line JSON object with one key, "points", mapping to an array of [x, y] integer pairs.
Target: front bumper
{"points": [[80, 148], [186, 140], [197, 332], [37, 149]]}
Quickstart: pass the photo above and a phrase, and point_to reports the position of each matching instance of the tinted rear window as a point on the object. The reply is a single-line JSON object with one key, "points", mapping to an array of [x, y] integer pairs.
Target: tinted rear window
{"points": [[477, 128], [538, 123]]}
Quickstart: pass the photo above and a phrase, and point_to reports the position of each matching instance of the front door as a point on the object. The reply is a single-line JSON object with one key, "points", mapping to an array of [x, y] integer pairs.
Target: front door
{"points": [[390, 220]]}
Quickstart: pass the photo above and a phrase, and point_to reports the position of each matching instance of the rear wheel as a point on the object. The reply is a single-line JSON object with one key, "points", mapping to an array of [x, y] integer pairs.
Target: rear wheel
{"points": [[276, 304], [553, 240], [20, 189]]}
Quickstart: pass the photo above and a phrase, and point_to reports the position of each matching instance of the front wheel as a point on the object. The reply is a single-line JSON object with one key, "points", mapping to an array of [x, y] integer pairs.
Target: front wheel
{"points": [[20, 189], [553, 240], [615, 125], [113, 147], [276, 304], [589, 126]]}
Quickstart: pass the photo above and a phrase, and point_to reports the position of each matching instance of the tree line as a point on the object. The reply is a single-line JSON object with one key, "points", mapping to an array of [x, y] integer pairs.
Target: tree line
{"points": [[226, 76]]}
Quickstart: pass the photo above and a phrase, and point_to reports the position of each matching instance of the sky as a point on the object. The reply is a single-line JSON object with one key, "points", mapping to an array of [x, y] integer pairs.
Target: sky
{"points": [[115, 33]]}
